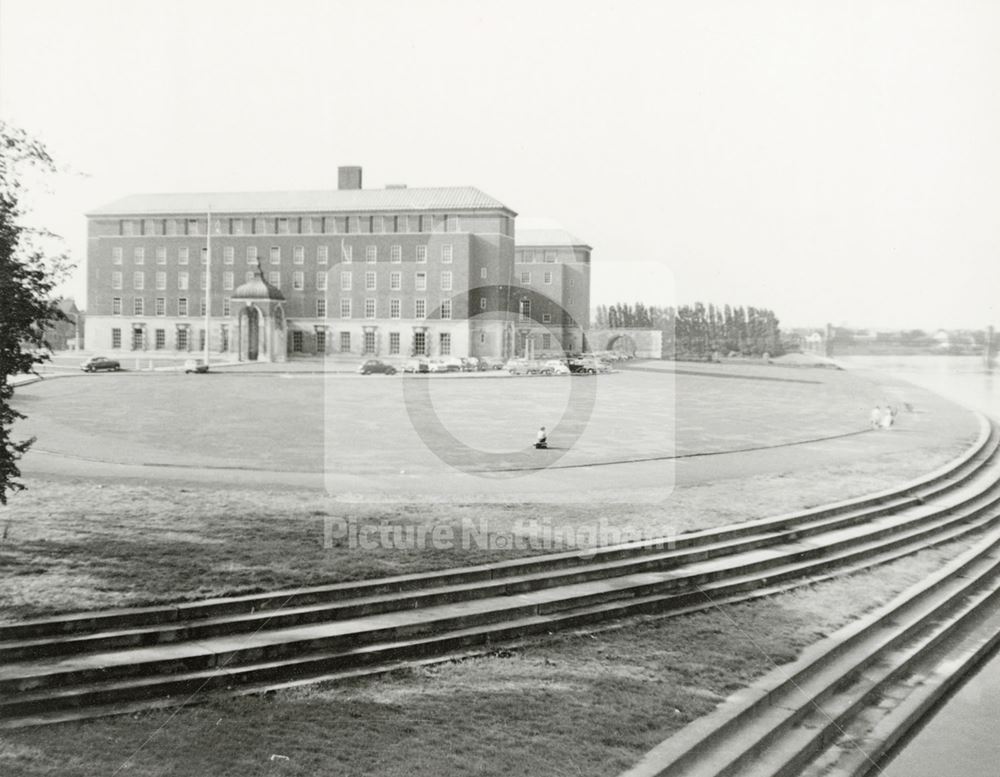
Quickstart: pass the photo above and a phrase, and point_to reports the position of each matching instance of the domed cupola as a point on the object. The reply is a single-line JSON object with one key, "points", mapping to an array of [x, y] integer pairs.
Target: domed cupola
{"points": [[258, 288]]}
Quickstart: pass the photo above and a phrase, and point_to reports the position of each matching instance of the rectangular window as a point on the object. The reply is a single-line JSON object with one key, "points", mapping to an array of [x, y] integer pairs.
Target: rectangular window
{"points": [[202, 311], [420, 282], [161, 306], [524, 309], [482, 303], [321, 308], [370, 280], [161, 339], [321, 341], [346, 254], [227, 306], [345, 308], [250, 275], [251, 254], [182, 339], [182, 281], [183, 254], [420, 343], [307, 225], [204, 256], [322, 254], [116, 280], [116, 338], [161, 254], [371, 254], [547, 277], [116, 255], [395, 281], [161, 281], [396, 254], [182, 307], [275, 255], [299, 255], [298, 280], [138, 306], [321, 281], [526, 279], [236, 226], [421, 254], [203, 281], [546, 318], [297, 341], [446, 309], [345, 341], [482, 273], [228, 255], [227, 281], [394, 308], [138, 281], [192, 226], [116, 306], [369, 307], [170, 227], [345, 280], [420, 308], [550, 257], [128, 228], [282, 226], [393, 343], [446, 344], [546, 341], [274, 278], [446, 253], [369, 342], [446, 281]]}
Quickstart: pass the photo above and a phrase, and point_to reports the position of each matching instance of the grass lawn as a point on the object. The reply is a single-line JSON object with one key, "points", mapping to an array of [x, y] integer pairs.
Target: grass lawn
{"points": [[73, 545], [569, 704]]}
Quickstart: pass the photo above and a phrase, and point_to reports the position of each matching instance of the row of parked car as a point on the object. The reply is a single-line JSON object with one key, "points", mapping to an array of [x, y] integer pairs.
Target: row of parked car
{"points": [[582, 365]]}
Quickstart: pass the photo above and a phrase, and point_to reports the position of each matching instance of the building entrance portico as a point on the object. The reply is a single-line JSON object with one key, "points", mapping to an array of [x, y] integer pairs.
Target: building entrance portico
{"points": [[259, 321]]}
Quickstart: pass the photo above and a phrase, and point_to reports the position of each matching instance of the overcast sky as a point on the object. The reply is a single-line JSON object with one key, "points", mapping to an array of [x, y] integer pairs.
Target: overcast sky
{"points": [[834, 161]]}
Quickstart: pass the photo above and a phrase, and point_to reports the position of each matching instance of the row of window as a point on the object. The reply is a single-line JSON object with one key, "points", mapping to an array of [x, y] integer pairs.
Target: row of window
{"points": [[183, 341], [528, 256], [228, 280], [296, 225], [346, 309], [299, 280], [298, 254]]}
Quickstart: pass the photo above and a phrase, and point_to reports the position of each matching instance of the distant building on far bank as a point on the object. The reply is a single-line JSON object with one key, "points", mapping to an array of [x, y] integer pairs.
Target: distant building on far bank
{"points": [[381, 272]]}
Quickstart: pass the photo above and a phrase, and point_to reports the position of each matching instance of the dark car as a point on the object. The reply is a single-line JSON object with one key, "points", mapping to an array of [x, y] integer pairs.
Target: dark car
{"points": [[374, 365], [97, 363], [581, 367]]}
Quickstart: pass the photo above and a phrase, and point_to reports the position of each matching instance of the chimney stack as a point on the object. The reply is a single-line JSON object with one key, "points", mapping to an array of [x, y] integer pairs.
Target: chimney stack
{"points": [[348, 177]]}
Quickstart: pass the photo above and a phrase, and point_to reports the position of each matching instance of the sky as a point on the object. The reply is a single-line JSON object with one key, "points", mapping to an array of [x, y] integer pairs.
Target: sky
{"points": [[835, 162]]}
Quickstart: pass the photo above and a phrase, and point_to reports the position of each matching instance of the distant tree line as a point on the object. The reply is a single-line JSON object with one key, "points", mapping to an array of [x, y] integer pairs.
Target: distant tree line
{"points": [[698, 331]]}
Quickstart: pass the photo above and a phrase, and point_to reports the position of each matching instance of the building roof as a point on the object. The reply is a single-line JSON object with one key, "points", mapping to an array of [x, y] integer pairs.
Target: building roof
{"points": [[335, 200], [548, 238]]}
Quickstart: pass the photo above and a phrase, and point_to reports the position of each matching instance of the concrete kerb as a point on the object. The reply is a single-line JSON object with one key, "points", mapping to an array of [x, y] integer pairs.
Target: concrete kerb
{"points": [[671, 756]]}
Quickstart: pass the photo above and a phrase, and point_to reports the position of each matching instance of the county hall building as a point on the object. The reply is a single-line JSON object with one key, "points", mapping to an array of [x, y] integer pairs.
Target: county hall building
{"points": [[383, 272]]}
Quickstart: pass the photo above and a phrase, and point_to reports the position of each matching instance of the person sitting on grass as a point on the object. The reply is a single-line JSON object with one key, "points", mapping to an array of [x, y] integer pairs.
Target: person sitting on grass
{"points": [[542, 441]]}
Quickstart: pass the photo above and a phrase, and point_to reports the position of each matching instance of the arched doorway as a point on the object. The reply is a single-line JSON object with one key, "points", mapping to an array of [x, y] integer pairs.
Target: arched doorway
{"points": [[622, 343], [250, 327]]}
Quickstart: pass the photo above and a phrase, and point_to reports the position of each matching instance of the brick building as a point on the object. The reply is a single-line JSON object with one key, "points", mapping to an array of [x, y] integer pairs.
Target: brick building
{"points": [[387, 272]]}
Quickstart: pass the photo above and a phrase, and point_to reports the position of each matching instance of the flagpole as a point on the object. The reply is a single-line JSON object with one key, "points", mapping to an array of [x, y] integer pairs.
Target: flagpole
{"points": [[208, 283]]}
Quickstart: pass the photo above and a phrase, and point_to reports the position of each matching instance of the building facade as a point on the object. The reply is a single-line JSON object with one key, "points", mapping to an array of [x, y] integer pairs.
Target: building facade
{"points": [[382, 272]]}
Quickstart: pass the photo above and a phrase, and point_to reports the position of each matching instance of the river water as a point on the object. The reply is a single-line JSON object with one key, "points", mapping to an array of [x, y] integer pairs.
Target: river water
{"points": [[963, 737]]}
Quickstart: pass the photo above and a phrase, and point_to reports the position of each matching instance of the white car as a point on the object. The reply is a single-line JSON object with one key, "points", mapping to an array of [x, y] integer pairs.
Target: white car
{"points": [[555, 367]]}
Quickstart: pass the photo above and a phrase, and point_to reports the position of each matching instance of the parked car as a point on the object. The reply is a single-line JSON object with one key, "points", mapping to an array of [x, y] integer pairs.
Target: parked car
{"points": [[555, 367], [469, 363], [491, 363], [97, 363], [581, 367], [523, 367], [416, 365], [445, 365], [373, 366], [195, 365]]}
